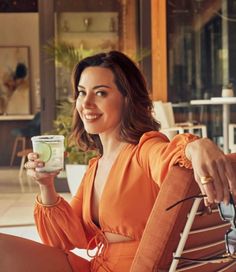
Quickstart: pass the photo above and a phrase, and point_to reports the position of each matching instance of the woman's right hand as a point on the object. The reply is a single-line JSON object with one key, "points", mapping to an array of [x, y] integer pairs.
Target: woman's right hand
{"points": [[42, 178]]}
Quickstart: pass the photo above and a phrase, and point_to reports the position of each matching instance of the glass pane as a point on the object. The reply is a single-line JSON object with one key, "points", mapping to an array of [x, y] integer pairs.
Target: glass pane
{"points": [[201, 39]]}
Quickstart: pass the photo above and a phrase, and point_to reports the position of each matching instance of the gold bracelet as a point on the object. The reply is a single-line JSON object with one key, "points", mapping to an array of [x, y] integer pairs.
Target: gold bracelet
{"points": [[39, 202]]}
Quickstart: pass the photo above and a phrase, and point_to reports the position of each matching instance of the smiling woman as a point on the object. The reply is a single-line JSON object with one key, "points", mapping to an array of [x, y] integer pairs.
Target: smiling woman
{"points": [[113, 114]]}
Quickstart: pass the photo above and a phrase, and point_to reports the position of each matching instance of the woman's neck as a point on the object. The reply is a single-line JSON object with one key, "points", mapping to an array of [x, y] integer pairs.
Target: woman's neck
{"points": [[111, 147]]}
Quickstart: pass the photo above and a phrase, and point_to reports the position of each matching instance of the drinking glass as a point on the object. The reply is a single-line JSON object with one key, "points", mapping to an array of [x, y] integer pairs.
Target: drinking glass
{"points": [[51, 151]]}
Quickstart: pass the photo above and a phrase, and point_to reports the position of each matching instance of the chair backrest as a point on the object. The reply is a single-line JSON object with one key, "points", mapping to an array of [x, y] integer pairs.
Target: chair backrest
{"points": [[164, 113], [163, 229], [232, 143]]}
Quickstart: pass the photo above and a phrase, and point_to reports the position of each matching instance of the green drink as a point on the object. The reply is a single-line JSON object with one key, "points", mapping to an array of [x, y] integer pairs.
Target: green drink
{"points": [[51, 151]]}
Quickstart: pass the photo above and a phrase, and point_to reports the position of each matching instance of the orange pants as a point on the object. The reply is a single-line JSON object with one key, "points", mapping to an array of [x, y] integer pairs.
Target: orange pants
{"points": [[116, 257]]}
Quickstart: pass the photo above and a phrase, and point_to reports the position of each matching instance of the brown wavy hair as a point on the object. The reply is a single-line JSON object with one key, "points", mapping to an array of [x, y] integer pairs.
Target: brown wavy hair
{"points": [[137, 114]]}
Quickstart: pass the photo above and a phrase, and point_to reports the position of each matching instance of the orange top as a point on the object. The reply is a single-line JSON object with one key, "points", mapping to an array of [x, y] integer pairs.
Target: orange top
{"points": [[128, 197]]}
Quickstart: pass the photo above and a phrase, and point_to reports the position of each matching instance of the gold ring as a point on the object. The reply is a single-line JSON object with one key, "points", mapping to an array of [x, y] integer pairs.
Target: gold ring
{"points": [[206, 180]]}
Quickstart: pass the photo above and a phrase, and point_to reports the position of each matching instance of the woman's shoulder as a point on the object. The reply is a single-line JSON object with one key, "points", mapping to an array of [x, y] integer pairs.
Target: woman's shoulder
{"points": [[151, 136]]}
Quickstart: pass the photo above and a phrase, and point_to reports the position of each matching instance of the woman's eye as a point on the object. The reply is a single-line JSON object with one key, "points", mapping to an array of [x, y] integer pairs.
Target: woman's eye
{"points": [[81, 93], [101, 93]]}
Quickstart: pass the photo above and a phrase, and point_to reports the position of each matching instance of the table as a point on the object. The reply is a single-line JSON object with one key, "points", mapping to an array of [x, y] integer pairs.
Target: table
{"points": [[225, 102]]}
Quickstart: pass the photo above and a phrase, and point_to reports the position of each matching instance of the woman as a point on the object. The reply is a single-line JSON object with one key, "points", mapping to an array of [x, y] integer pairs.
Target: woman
{"points": [[113, 113]]}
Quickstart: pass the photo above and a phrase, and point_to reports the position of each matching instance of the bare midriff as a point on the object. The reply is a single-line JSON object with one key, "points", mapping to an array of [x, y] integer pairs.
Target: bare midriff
{"points": [[116, 238]]}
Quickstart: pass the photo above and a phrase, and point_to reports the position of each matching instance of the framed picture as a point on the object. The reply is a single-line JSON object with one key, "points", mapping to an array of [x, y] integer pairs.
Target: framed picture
{"points": [[14, 80]]}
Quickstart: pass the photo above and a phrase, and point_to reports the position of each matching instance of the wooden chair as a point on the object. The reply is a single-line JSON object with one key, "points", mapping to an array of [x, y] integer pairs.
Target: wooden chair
{"points": [[19, 143], [165, 115], [232, 143], [175, 232]]}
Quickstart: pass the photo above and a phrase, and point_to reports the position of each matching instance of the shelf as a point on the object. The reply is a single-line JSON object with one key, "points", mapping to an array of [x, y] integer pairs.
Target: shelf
{"points": [[11, 117], [88, 32]]}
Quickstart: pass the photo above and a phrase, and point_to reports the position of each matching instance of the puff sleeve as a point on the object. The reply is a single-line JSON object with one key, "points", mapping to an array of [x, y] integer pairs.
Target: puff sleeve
{"points": [[156, 154], [60, 225]]}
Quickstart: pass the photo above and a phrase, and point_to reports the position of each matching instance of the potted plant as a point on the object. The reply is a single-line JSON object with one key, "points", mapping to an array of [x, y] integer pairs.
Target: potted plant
{"points": [[228, 90], [76, 159]]}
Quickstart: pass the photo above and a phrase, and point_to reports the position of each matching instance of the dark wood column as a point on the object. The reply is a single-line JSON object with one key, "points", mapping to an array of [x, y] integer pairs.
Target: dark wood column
{"points": [[145, 38], [47, 67]]}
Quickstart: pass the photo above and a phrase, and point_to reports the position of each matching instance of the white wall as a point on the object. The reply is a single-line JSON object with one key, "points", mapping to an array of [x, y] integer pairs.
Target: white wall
{"points": [[18, 29]]}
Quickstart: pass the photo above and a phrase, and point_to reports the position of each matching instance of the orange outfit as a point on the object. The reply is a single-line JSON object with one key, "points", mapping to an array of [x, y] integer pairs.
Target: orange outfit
{"points": [[126, 202]]}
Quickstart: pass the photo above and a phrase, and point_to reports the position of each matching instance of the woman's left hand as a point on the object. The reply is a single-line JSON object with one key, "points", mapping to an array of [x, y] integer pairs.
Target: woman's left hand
{"points": [[211, 165]]}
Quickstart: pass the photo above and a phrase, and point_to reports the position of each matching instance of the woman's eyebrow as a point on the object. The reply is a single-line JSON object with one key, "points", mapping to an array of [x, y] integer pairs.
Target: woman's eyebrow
{"points": [[101, 86], [79, 86], [95, 87]]}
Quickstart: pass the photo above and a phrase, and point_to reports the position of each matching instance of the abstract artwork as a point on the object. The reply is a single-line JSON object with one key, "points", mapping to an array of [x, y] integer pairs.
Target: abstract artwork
{"points": [[14, 80]]}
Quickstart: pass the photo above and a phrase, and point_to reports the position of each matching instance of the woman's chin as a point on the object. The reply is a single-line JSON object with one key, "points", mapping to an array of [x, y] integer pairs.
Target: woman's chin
{"points": [[92, 130]]}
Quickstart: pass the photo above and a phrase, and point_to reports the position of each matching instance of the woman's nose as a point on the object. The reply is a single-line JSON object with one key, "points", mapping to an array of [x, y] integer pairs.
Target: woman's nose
{"points": [[88, 101]]}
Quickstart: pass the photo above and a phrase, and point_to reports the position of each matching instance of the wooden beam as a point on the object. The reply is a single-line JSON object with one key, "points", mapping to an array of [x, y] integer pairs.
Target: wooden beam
{"points": [[47, 67], [159, 50], [208, 11]]}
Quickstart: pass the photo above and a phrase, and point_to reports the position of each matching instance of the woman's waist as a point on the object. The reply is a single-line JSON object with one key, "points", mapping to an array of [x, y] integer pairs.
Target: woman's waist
{"points": [[117, 237], [108, 237], [105, 242]]}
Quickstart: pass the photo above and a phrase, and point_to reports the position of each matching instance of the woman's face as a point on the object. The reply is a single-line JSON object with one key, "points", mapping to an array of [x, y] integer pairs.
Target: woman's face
{"points": [[99, 101]]}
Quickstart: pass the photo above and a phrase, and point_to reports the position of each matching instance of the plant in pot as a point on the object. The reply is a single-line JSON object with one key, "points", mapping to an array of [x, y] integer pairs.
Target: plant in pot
{"points": [[76, 159], [228, 90]]}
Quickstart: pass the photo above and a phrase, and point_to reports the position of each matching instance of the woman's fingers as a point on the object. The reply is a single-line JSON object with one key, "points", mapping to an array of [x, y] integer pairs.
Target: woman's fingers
{"points": [[212, 169], [203, 192], [33, 164], [214, 180], [224, 181], [208, 189], [33, 161], [32, 156]]}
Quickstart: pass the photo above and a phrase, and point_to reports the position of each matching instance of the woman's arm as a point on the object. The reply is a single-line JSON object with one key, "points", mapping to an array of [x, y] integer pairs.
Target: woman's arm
{"points": [[58, 224], [157, 154]]}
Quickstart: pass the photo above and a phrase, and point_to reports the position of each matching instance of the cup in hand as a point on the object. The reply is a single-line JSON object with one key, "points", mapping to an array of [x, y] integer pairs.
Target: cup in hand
{"points": [[50, 149]]}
